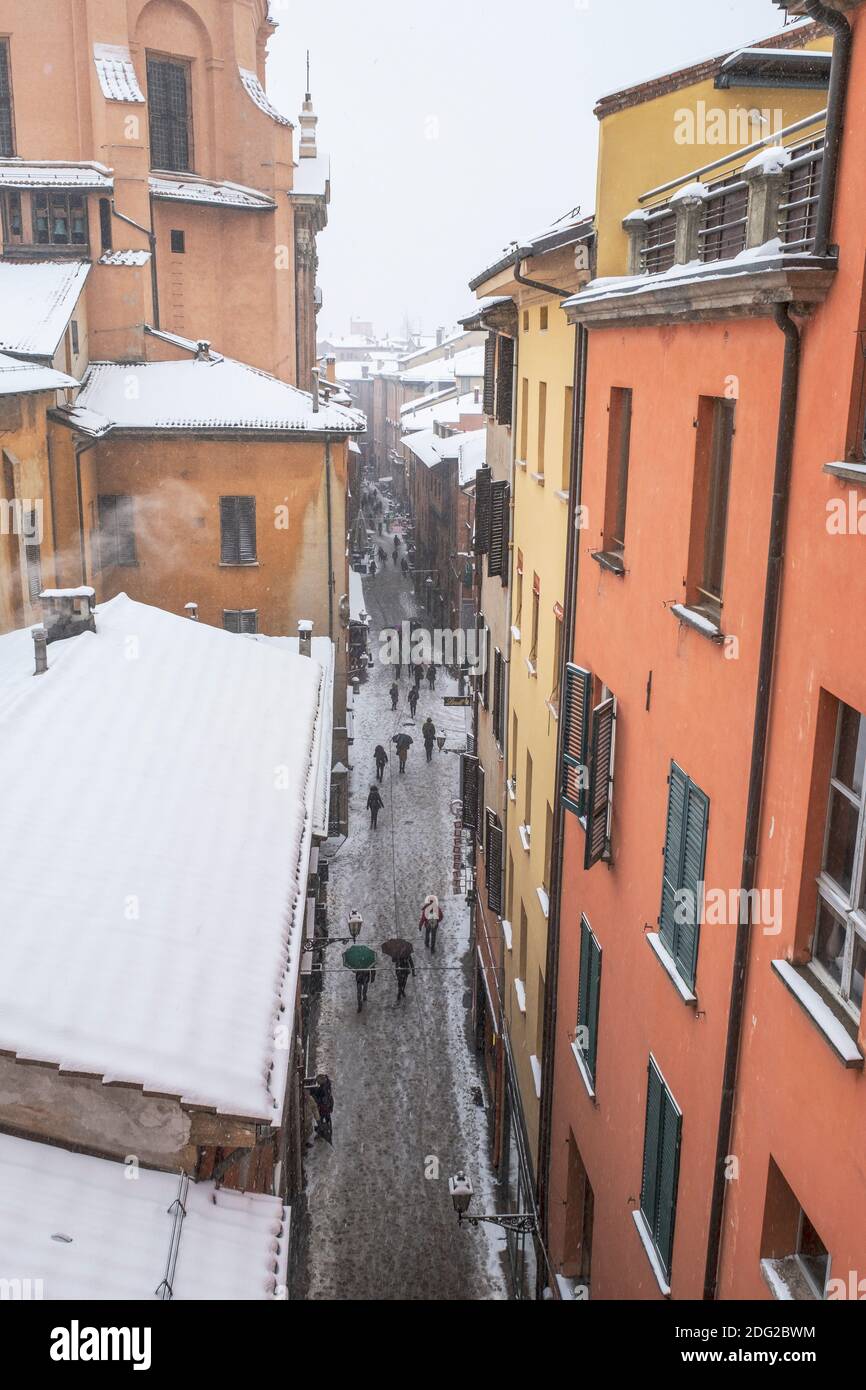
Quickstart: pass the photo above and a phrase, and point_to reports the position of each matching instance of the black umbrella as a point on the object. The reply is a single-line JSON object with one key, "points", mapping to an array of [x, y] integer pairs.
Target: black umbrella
{"points": [[402, 740], [398, 949]]}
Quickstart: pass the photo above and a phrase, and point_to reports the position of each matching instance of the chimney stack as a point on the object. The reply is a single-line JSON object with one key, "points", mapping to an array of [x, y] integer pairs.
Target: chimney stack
{"points": [[67, 612], [305, 637], [40, 644], [202, 351], [315, 390], [191, 610]]}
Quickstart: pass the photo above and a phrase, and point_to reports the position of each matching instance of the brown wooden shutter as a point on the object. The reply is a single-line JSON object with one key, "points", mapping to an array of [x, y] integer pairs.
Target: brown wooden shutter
{"points": [[483, 485], [481, 804], [505, 382], [598, 802], [497, 559], [494, 863], [469, 790], [490, 374], [497, 695]]}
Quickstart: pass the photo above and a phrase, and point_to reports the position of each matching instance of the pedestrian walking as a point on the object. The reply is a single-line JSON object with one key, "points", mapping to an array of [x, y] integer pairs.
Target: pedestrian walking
{"points": [[419, 672], [404, 565], [381, 758], [431, 676], [382, 556], [404, 743], [413, 699], [428, 731], [431, 916], [372, 568], [375, 804], [363, 980], [323, 1094], [380, 526], [394, 692], [396, 558], [403, 969]]}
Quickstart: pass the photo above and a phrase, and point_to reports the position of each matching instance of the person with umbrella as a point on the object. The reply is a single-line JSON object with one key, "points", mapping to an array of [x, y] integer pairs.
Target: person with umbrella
{"points": [[375, 804], [413, 699], [428, 729], [400, 952], [404, 743], [362, 961], [394, 692], [431, 916], [323, 1094], [381, 758]]}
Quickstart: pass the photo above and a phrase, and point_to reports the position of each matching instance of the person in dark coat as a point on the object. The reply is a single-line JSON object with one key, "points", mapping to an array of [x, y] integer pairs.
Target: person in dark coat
{"points": [[381, 762], [413, 699], [375, 804], [363, 980], [372, 568], [323, 1094], [382, 556], [394, 692], [403, 968], [404, 565], [431, 676], [428, 730], [419, 673], [404, 743], [431, 916]]}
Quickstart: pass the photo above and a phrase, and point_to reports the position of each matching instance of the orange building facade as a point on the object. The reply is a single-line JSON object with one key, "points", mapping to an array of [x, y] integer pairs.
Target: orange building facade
{"points": [[707, 1105]]}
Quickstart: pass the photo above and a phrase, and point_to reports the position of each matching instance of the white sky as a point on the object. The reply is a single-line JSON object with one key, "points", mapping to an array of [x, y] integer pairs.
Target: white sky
{"points": [[457, 126]]}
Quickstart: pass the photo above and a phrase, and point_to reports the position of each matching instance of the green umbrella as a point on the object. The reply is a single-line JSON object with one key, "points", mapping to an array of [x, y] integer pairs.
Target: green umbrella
{"points": [[359, 958]]}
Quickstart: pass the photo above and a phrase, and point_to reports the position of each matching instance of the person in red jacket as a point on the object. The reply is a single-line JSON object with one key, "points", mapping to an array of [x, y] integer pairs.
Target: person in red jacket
{"points": [[431, 916]]}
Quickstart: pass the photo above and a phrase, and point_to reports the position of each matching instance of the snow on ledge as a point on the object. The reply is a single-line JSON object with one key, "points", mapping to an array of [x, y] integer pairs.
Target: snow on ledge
{"points": [[536, 1074], [820, 1013], [520, 991]]}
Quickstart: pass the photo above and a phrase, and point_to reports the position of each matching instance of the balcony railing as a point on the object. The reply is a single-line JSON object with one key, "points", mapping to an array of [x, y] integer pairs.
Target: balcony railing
{"points": [[722, 233], [798, 212], [658, 253]]}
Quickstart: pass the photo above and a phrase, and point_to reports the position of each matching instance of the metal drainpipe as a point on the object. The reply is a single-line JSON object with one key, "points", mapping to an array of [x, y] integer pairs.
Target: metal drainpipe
{"points": [[330, 540], [778, 525], [524, 254], [548, 1060], [839, 75], [79, 450], [772, 590]]}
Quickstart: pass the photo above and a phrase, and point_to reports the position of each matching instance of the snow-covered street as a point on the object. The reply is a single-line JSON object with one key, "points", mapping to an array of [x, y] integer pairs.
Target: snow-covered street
{"points": [[378, 1222]]}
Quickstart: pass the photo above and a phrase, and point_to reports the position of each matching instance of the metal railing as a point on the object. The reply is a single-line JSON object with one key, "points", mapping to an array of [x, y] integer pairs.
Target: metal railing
{"points": [[798, 211], [659, 248], [722, 233]]}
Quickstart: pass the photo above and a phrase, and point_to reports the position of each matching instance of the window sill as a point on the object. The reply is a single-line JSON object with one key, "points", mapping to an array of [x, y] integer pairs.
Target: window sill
{"points": [[525, 833], [508, 935], [241, 565], [812, 1002], [584, 1071], [544, 899], [511, 789], [536, 1074], [851, 472], [651, 1252], [532, 668], [669, 965], [537, 478], [689, 617], [520, 991], [515, 634], [554, 709], [520, 463], [562, 495], [786, 1281], [608, 561]]}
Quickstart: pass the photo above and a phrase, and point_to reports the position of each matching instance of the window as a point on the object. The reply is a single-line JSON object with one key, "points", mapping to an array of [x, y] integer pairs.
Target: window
{"points": [[490, 374], [7, 123], [524, 419], [518, 590], [600, 795], [536, 612], [661, 1166], [793, 1254], [178, 242], [59, 219], [524, 943], [579, 1219], [543, 318], [683, 876], [494, 862], [505, 381], [240, 620], [13, 219], [469, 790], [548, 848], [526, 320], [567, 437], [539, 1018], [497, 556], [32, 556], [498, 697], [616, 490], [170, 102], [116, 530], [73, 337], [557, 658], [839, 946], [710, 506], [527, 793], [542, 425], [485, 679], [483, 493], [574, 773], [589, 994], [106, 235], [237, 530]]}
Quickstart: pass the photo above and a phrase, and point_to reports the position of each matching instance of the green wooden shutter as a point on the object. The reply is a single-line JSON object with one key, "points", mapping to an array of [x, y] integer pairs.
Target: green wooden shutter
{"points": [[505, 382], [677, 796], [483, 485], [583, 978], [670, 1139], [479, 830], [598, 801], [594, 1002], [490, 374], [578, 693], [652, 1135], [469, 790], [691, 879]]}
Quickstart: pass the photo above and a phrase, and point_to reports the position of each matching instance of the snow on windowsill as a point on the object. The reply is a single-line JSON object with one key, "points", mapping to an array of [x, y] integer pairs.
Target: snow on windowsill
{"points": [[525, 833], [538, 478], [544, 899], [515, 634], [508, 935], [669, 965], [652, 1254], [532, 668], [520, 991], [511, 788], [786, 1281], [692, 618], [536, 1075], [584, 1070], [851, 472], [810, 1000], [562, 495]]}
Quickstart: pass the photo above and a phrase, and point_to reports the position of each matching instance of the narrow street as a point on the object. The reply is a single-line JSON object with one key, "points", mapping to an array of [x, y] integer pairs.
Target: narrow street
{"points": [[379, 1222]]}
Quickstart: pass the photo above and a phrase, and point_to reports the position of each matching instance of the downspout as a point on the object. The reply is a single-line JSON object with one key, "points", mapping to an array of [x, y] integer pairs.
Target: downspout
{"points": [[836, 98], [151, 236], [775, 558], [548, 1060], [330, 540], [79, 450], [524, 254]]}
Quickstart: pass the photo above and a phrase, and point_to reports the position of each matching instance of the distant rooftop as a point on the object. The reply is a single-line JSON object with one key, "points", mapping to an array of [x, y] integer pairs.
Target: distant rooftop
{"points": [[37, 299]]}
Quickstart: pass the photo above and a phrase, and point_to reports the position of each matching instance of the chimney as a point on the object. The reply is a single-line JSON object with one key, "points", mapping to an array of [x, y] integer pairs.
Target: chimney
{"points": [[305, 637], [307, 148], [440, 336], [331, 370], [40, 645], [315, 375], [365, 370], [67, 612], [202, 351], [191, 611], [478, 395]]}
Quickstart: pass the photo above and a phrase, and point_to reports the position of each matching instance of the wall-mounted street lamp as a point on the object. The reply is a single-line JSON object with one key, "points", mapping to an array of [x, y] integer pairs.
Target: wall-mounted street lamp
{"points": [[355, 925], [460, 1188]]}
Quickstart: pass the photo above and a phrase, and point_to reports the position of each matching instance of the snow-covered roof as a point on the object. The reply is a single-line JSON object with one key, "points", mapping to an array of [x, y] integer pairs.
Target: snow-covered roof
{"points": [[425, 445], [80, 177], [424, 402], [447, 411], [471, 450], [37, 300], [20, 378], [151, 782], [217, 194], [324, 654], [357, 606], [312, 176], [354, 371], [125, 258], [116, 73], [76, 1229], [255, 90], [214, 394]]}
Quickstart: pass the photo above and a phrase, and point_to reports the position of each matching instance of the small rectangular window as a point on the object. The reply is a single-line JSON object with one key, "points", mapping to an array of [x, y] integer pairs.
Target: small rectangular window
{"points": [[33, 556], [169, 98], [59, 219], [709, 528], [536, 611], [524, 419], [116, 530], [567, 437], [7, 122], [241, 620], [106, 235], [237, 530], [13, 220], [589, 994], [839, 942], [74, 339], [542, 426], [661, 1166], [178, 242], [543, 318], [616, 490]]}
